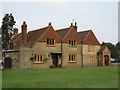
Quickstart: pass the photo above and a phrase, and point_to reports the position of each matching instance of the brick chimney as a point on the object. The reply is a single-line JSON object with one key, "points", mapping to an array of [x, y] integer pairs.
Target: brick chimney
{"points": [[75, 26], [15, 31], [24, 33]]}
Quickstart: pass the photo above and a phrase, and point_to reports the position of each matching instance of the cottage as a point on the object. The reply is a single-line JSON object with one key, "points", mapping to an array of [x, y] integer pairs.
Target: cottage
{"points": [[46, 47], [37, 48]]}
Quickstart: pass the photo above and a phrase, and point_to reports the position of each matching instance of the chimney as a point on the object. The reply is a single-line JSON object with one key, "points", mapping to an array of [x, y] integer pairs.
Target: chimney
{"points": [[24, 33], [49, 24], [15, 31], [75, 26], [71, 24]]}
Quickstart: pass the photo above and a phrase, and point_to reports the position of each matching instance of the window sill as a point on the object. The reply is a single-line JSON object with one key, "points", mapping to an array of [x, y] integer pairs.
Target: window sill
{"points": [[72, 46], [50, 45], [38, 62], [72, 61]]}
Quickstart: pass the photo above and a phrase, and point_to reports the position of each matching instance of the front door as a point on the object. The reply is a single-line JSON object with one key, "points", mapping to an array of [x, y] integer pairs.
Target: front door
{"points": [[106, 60], [8, 62], [55, 60]]}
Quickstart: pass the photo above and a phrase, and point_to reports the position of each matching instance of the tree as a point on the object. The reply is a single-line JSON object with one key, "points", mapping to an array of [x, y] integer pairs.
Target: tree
{"points": [[112, 49], [7, 30], [118, 47]]}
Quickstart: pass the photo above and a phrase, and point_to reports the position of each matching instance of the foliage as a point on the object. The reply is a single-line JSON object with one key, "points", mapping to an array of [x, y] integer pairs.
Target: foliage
{"points": [[112, 49], [118, 46], [7, 30], [87, 77]]}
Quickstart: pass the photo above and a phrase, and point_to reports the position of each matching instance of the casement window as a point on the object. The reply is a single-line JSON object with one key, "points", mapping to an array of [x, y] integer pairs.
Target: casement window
{"points": [[72, 43], [50, 42], [90, 48], [38, 58], [72, 57]]}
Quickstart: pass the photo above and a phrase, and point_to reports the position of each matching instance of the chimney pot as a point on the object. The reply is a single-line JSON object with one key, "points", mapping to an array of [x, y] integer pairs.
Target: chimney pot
{"points": [[75, 26], [71, 24], [50, 24], [75, 23]]}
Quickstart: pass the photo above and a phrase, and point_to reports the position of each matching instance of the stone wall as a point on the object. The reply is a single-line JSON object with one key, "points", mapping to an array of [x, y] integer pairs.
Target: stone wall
{"points": [[25, 54], [71, 50], [90, 56], [42, 48], [15, 59]]}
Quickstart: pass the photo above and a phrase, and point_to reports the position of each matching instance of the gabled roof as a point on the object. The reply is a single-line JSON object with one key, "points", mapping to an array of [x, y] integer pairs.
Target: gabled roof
{"points": [[82, 35], [34, 35], [101, 49], [15, 37], [62, 32], [88, 37]]}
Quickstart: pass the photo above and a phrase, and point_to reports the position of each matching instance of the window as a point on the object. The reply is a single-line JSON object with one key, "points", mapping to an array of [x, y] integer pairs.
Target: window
{"points": [[51, 42], [72, 57], [38, 58], [72, 42], [90, 48], [11, 45]]}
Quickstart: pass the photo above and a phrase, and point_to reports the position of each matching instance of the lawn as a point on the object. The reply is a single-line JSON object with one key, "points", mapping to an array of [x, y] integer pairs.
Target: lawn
{"points": [[86, 77]]}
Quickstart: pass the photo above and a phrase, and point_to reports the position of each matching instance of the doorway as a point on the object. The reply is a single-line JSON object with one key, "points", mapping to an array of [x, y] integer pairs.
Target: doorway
{"points": [[106, 60], [8, 62], [55, 60], [55, 56]]}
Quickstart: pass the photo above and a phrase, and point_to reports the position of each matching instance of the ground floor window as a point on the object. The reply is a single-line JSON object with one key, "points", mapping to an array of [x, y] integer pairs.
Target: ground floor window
{"points": [[72, 57], [38, 58]]}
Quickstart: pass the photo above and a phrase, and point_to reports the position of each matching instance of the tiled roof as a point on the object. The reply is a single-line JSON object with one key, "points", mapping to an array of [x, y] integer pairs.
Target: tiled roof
{"points": [[88, 38], [33, 36], [82, 35], [62, 32], [14, 37], [101, 49]]}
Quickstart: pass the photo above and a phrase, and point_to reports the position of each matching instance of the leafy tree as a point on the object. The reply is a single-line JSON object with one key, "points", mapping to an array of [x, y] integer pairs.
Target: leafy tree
{"points": [[118, 47], [112, 49], [7, 30]]}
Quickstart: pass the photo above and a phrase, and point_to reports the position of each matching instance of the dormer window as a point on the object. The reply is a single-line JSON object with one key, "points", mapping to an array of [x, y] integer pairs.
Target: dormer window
{"points": [[72, 43], [50, 42]]}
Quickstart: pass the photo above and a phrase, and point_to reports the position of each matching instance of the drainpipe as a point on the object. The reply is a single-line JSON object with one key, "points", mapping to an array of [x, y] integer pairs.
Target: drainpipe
{"points": [[81, 54], [61, 51]]}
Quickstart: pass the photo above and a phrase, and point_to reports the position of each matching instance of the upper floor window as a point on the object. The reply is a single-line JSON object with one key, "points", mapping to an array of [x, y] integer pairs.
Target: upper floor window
{"points": [[51, 42], [11, 45], [90, 48], [72, 42], [72, 57], [38, 58]]}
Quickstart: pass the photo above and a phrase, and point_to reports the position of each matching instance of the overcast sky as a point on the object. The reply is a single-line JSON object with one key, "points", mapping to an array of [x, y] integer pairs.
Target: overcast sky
{"points": [[101, 17]]}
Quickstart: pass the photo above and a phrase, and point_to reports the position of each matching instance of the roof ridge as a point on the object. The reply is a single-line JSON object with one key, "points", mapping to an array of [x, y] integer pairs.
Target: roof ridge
{"points": [[38, 29], [87, 35], [62, 29], [84, 31]]}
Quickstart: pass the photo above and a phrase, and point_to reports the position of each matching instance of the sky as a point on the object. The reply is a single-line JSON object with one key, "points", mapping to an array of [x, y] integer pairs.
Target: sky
{"points": [[100, 17]]}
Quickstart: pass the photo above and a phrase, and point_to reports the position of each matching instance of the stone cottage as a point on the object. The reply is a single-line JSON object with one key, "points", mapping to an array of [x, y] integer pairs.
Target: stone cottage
{"points": [[46, 47]]}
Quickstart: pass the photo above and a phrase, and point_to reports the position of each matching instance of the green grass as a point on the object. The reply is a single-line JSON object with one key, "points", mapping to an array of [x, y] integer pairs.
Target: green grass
{"points": [[87, 77]]}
